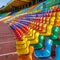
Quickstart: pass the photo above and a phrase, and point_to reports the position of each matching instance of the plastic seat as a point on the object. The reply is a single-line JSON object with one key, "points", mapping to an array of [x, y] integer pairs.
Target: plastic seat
{"points": [[46, 52], [22, 51], [22, 46], [28, 56], [57, 51], [40, 43], [55, 32]]}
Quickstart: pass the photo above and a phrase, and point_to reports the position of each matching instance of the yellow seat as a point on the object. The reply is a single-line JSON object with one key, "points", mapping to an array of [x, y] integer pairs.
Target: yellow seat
{"points": [[23, 51], [58, 14], [52, 21], [35, 40], [22, 46], [28, 56], [22, 42], [30, 33], [48, 32], [33, 35]]}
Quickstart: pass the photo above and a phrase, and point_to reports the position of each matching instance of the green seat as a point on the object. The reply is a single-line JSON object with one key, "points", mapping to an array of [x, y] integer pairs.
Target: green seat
{"points": [[55, 32], [55, 35]]}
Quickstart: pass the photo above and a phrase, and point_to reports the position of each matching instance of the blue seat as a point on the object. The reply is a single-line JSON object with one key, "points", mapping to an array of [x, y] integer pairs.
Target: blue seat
{"points": [[31, 15], [13, 27], [57, 51], [18, 24], [46, 52], [24, 22]]}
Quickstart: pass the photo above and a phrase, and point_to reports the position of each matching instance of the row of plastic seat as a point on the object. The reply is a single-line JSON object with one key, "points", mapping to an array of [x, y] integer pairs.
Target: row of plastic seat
{"points": [[37, 30], [34, 24], [47, 52]]}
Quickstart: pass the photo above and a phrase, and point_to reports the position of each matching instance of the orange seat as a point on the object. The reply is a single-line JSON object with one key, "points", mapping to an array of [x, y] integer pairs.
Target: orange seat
{"points": [[57, 23], [44, 28], [46, 22]]}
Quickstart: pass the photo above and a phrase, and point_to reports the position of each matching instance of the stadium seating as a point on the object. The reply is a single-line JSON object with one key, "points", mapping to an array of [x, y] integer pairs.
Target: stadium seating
{"points": [[36, 31]]}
